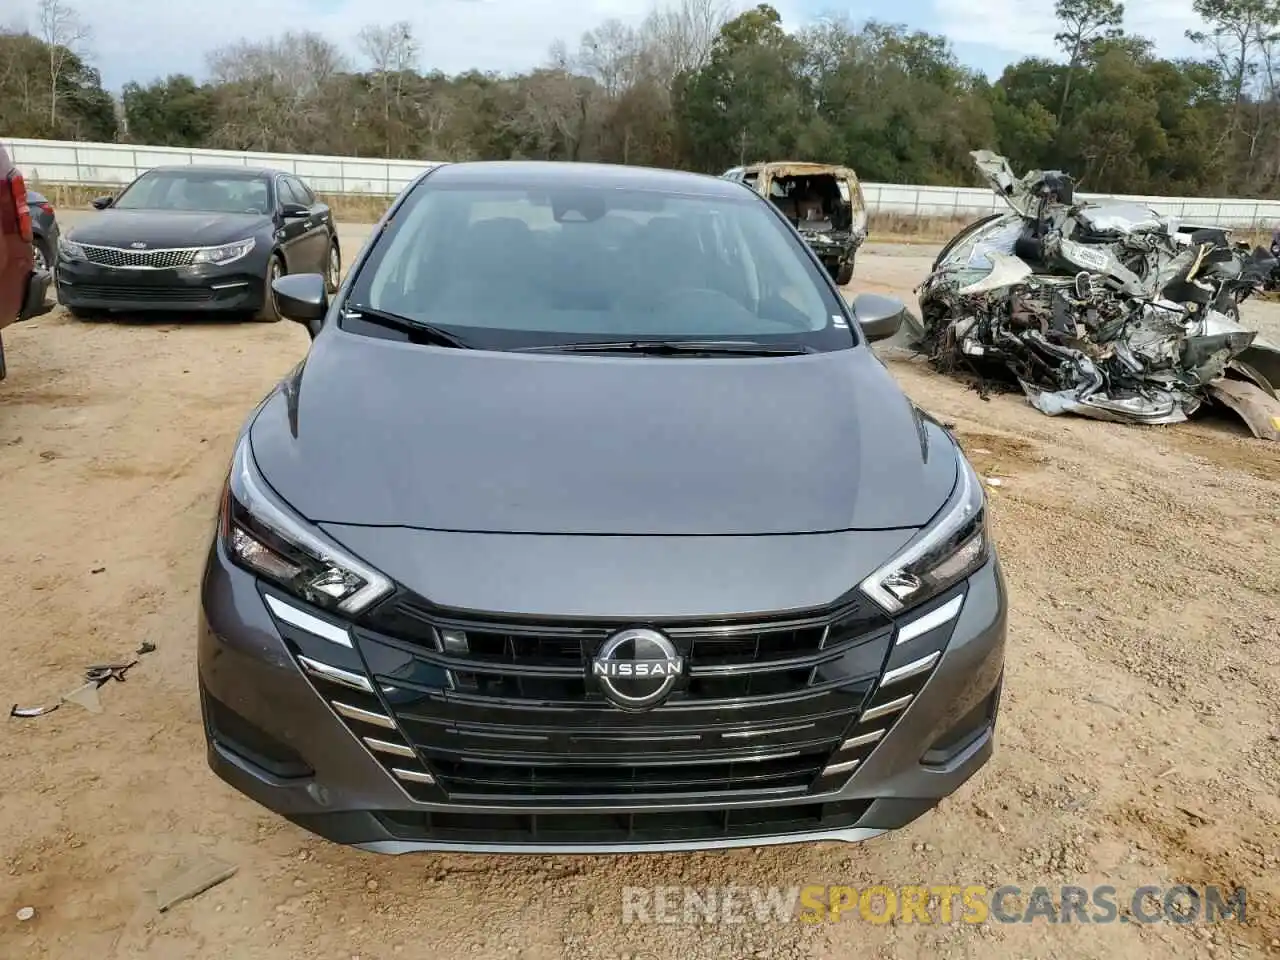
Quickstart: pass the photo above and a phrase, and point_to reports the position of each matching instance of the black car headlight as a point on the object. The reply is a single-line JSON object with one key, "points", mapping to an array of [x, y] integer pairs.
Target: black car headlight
{"points": [[227, 253], [262, 535], [70, 249], [952, 547]]}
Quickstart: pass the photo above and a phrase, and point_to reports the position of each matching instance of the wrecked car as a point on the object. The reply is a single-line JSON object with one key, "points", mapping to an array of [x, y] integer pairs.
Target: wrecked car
{"points": [[1105, 309], [823, 202]]}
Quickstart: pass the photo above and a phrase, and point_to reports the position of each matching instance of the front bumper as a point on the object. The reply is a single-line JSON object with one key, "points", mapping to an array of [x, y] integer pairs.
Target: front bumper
{"points": [[833, 248], [34, 301], [272, 733], [206, 288]]}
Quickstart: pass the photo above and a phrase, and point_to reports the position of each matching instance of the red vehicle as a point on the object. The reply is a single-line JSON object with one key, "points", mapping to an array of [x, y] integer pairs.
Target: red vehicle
{"points": [[22, 286]]}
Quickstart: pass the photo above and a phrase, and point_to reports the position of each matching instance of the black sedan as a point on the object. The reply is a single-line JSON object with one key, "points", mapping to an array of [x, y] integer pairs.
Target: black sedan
{"points": [[208, 239]]}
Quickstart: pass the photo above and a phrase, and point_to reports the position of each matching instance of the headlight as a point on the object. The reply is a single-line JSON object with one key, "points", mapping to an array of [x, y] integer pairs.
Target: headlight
{"points": [[224, 254], [70, 249], [944, 553], [261, 534]]}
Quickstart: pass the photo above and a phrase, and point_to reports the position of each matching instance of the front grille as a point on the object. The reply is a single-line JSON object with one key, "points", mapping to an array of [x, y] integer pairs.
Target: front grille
{"points": [[512, 715], [139, 259], [556, 780], [142, 293], [567, 649], [706, 643], [605, 828]]}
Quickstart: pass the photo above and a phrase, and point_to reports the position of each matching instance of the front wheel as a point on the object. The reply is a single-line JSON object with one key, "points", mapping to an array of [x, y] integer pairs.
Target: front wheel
{"points": [[43, 259], [41, 254], [269, 312], [333, 268], [844, 274]]}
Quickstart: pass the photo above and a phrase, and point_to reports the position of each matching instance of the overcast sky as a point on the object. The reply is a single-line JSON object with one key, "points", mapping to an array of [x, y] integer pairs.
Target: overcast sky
{"points": [[143, 39]]}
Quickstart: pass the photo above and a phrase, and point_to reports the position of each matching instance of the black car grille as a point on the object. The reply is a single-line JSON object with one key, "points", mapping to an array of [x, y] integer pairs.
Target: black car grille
{"points": [[139, 259], [699, 825], [514, 716], [143, 293], [785, 773]]}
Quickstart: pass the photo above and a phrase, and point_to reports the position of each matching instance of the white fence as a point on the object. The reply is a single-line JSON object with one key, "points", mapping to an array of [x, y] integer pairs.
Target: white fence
{"points": [[113, 164]]}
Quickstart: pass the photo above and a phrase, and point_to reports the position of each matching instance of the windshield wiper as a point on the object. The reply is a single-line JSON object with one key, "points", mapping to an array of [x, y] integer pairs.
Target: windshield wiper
{"points": [[395, 321], [745, 348]]}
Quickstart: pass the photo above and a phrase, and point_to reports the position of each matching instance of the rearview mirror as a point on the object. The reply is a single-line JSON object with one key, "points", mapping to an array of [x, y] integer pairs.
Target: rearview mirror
{"points": [[101, 203], [302, 297], [293, 211], [879, 317]]}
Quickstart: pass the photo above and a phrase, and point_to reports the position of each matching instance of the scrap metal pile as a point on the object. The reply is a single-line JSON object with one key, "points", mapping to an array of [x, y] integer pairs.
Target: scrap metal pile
{"points": [[1103, 309]]}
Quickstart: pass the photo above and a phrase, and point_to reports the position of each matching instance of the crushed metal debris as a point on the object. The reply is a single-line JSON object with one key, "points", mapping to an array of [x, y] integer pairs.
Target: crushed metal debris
{"points": [[1104, 309], [85, 695]]}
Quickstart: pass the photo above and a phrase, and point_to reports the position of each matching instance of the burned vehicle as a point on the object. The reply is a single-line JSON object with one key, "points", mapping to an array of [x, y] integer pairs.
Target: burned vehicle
{"points": [[825, 203], [1104, 309]]}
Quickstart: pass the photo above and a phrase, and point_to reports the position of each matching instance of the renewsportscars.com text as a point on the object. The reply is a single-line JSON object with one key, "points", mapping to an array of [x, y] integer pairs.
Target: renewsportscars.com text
{"points": [[931, 904]]}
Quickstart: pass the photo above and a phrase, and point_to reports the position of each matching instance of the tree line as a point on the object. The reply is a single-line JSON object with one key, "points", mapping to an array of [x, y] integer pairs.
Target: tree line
{"points": [[696, 86]]}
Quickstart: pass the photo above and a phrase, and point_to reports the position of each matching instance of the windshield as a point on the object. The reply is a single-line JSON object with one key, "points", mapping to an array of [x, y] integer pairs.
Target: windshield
{"points": [[507, 267], [192, 190]]}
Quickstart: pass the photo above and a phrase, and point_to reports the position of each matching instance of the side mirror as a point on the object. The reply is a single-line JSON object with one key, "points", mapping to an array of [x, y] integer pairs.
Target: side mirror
{"points": [[101, 203], [294, 211], [879, 317], [302, 298]]}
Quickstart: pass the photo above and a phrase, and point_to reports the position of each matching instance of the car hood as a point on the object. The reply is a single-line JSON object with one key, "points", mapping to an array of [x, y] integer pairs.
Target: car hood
{"points": [[379, 432], [159, 229]]}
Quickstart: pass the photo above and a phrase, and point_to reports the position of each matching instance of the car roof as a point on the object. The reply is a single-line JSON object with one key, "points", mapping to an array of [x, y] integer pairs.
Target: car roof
{"points": [[550, 173], [799, 166], [247, 173]]}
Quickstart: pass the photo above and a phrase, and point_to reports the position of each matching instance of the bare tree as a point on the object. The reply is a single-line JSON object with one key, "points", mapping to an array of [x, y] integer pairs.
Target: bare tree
{"points": [[611, 55], [389, 49], [682, 36], [550, 114], [1236, 31], [299, 64], [278, 89], [558, 55], [392, 51], [62, 31], [1239, 33]]}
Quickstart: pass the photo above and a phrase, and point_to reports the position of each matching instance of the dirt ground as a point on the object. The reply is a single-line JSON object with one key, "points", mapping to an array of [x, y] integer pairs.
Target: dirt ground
{"points": [[1139, 742]]}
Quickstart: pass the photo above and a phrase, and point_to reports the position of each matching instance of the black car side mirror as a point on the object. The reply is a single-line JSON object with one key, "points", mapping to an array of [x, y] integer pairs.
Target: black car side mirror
{"points": [[302, 298], [879, 317], [101, 203], [294, 211]]}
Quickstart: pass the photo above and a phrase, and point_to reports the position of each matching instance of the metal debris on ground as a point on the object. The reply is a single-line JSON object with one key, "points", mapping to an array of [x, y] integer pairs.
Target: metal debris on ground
{"points": [[85, 695], [26, 913], [100, 673], [1104, 309], [17, 711], [192, 880], [146, 647]]}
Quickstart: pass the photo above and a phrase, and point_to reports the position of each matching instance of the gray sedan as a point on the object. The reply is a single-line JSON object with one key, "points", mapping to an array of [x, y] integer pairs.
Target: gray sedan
{"points": [[591, 523]]}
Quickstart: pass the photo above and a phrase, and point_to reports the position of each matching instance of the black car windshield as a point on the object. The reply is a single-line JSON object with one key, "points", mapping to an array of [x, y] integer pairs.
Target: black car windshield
{"points": [[208, 192], [506, 268]]}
